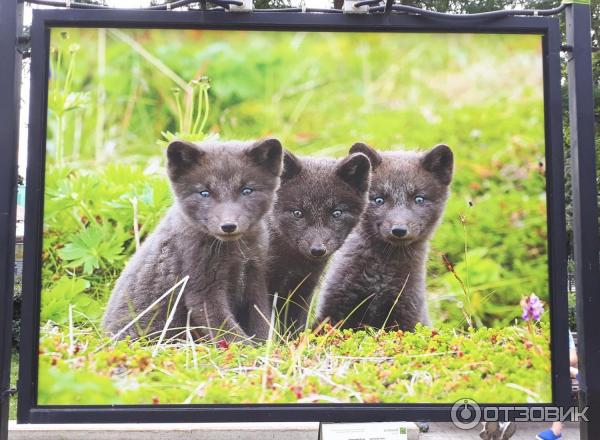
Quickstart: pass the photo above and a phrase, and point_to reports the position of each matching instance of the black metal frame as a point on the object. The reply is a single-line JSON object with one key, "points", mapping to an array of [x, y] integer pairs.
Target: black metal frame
{"points": [[586, 239], [584, 193], [30, 412], [10, 84]]}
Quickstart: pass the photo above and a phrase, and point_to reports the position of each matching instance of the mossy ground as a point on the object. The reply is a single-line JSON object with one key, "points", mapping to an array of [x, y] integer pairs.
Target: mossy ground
{"points": [[368, 366]]}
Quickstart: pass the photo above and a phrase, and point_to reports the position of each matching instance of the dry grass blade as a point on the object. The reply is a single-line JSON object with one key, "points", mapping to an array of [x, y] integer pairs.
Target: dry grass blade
{"points": [[170, 317], [395, 302], [160, 66], [131, 323]]}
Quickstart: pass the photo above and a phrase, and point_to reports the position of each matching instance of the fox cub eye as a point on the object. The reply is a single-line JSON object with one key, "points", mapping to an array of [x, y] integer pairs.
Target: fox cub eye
{"points": [[419, 200], [205, 193], [297, 213], [337, 213], [379, 201], [246, 191]]}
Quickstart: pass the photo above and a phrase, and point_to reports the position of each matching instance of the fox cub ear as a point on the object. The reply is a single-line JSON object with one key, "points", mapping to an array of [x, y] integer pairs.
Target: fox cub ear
{"points": [[267, 153], [355, 170], [181, 155], [291, 166], [439, 161], [370, 152]]}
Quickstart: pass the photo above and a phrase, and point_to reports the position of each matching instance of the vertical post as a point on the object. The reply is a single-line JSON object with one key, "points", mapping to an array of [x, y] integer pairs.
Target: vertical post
{"points": [[10, 86], [585, 211]]}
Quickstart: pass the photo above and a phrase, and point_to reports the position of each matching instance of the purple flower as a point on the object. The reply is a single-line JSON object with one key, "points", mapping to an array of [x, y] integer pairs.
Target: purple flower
{"points": [[532, 307]]}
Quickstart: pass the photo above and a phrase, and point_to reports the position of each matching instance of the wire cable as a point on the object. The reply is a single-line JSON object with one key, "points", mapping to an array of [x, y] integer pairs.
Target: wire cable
{"points": [[325, 10], [226, 3], [162, 7], [479, 15], [278, 10], [360, 3], [73, 5], [389, 7]]}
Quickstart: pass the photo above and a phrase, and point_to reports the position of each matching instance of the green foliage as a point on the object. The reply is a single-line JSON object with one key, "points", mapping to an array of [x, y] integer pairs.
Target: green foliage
{"points": [[89, 229], [14, 372], [66, 293], [95, 247], [332, 366], [271, 4], [192, 114], [494, 230], [62, 98]]}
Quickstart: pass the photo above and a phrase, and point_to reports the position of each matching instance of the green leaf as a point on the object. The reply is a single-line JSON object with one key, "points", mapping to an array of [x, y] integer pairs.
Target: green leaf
{"points": [[93, 247], [65, 292]]}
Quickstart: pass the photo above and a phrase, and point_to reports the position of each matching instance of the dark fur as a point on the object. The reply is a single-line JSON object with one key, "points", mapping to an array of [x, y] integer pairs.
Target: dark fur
{"points": [[317, 187], [226, 270], [373, 265]]}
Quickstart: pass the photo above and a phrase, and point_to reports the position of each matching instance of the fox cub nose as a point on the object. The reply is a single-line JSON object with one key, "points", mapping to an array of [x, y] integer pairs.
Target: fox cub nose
{"points": [[318, 251], [399, 231], [228, 227]]}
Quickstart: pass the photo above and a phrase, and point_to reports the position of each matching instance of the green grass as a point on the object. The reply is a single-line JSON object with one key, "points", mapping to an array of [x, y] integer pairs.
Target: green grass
{"points": [[427, 366], [14, 373]]}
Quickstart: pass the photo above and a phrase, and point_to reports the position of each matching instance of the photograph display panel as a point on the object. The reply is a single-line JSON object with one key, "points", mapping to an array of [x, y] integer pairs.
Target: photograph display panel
{"points": [[287, 217]]}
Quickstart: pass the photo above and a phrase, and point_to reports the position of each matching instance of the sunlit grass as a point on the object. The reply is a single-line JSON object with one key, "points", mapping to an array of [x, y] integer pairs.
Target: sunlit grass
{"points": [[330, 366], [14, 373]]}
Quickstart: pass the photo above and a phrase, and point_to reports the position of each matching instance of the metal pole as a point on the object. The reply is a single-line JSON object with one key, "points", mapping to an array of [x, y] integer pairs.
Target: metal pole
{"points": [[10, 85], [585, 212]]}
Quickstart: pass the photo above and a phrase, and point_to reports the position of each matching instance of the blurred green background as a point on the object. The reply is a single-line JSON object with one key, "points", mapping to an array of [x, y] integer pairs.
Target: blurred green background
{"points": [[116, 96]]}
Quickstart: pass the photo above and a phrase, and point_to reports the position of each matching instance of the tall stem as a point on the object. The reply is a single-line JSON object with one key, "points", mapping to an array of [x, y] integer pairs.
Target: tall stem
{"points": [[100, 95], [59, 140], [206, 108], [198, 111], [179, 110]]}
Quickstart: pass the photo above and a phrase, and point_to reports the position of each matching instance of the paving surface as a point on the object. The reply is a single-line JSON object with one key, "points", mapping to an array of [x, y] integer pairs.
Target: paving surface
{"points": [[244, 431], [525, 431]]}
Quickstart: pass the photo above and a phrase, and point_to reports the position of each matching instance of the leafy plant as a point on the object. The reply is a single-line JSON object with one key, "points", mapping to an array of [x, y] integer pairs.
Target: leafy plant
{"points": [[193, 114], [65, 293], [62, 98], [96, 246]]}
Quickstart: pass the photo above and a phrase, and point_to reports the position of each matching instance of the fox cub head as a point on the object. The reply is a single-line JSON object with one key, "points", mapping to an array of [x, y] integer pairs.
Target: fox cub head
{"points": [[408, 193], [225, 188], [320, 201]]}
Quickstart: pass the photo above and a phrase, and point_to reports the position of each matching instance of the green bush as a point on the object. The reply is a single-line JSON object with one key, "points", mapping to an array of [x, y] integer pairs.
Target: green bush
{"points": [[88, 229]]}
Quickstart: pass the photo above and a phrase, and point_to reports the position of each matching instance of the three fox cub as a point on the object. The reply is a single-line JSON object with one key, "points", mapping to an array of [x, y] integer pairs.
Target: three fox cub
{"points": [[253, 226]]}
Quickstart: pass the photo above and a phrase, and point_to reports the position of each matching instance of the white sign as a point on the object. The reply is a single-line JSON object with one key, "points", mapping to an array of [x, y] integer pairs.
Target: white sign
{"points": [[364, 431]]}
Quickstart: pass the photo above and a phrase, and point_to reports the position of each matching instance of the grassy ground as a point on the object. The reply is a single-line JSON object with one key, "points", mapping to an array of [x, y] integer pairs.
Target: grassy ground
{"points": [[14, 372], [332, 366]]}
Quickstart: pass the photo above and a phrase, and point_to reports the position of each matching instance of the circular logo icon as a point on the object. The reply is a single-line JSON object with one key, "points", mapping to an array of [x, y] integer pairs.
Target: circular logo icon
{"points": [[466, 414]]}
